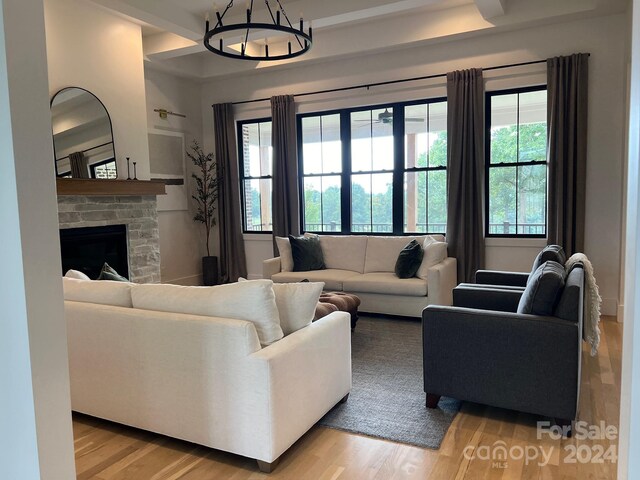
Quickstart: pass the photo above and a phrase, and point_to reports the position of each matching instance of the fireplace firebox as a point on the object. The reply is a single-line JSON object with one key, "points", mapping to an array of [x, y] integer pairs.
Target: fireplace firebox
{"points": [[87, 249]]}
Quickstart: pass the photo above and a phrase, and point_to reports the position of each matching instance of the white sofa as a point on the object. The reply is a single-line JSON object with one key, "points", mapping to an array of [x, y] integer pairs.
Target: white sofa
{"points": [[364, 265], [203, 379]]}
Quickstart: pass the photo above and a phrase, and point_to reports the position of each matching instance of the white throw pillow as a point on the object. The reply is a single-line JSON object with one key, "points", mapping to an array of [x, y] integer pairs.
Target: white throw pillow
{"points": [[78, 275], [103, 292], [286, 255], [297, 304], [253, 301], [434, 253]]}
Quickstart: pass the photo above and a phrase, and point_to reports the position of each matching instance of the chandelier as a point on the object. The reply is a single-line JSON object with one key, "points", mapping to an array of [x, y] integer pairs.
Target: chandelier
{"points": [[251, 40]]}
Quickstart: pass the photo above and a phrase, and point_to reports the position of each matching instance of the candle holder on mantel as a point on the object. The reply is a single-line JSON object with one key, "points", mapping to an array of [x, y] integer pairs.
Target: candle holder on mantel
{"points": [[135, 174], [128, 170]]}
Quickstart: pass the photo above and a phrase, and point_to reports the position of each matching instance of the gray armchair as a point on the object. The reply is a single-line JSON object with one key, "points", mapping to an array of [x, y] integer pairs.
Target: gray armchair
{"points": [[481, 351]]}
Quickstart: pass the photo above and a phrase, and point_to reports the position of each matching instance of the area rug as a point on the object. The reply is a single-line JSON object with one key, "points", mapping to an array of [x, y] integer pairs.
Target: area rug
{"points": [[387, 398]]}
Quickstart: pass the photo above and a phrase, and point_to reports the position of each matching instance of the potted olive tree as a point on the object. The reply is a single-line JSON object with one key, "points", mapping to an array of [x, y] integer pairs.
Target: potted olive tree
{"points": [[206, 196]]}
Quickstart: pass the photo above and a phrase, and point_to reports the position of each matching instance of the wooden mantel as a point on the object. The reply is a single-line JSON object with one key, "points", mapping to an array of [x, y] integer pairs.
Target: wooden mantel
{"points": [[93, 187]]}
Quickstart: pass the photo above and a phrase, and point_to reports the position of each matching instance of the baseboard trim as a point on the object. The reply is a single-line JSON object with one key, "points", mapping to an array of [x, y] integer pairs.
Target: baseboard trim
{"points": [[609, 307], [620, 316], [189, 280]]}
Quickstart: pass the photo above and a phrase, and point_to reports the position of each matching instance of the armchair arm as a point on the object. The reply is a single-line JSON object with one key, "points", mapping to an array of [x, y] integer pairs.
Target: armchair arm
{"points": [[270, 267], [487, 297], [523, 362], [308, 372], [495, 277]]}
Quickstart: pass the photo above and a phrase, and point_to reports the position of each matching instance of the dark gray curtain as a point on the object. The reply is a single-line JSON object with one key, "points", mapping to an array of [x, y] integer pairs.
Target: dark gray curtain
{"points": [[567, 105], [79, 167], [465, 180], [233, 263], [285, 201]]}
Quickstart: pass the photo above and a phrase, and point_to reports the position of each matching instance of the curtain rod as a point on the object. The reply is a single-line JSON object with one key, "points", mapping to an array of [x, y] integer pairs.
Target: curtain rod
{"points": [[391, 82]]}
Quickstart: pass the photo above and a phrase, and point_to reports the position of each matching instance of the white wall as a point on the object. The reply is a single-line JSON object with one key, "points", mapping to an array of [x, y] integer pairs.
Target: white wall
{"points": [[629, 442], [181, 239], [603, 37], [91, 48], [36, 439]]}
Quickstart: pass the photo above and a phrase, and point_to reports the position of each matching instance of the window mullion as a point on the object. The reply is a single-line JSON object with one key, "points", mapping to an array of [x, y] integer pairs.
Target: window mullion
{"points": [[397, 210]]}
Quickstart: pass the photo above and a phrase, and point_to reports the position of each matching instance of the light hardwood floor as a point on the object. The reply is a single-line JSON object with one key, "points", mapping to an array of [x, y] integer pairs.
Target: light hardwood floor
{"points": [[108, 451]]}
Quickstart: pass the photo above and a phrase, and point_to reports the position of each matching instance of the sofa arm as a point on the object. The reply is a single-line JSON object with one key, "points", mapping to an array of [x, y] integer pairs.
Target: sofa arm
{"points": [[309, 372], [487, 297], [523, 362], [495, 277], [441, 280], [271, 267]]}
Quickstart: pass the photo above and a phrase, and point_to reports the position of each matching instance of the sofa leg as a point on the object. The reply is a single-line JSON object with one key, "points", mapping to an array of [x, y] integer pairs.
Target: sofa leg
{"points": [[266, 467], [432, 400], [345, 398], [566, 426]]}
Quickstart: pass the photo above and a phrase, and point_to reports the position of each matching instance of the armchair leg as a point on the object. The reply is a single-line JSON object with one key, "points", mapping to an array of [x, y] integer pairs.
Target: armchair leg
{"points": [[566, 425], [266, 467], [432, 400], [345, 398]]}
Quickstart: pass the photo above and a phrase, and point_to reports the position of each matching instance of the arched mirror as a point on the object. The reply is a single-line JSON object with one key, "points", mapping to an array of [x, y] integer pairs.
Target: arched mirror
{"points": [[82, 136]]}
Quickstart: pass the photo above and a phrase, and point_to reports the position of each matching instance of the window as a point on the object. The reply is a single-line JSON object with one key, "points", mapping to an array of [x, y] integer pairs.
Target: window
{"points": [[321, 173], [254, 139], [104, 170], [425, 168], [516, 177], [374, 169]]}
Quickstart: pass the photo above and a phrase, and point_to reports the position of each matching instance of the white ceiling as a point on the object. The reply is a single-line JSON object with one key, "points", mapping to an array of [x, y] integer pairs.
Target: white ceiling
{"points": [[173, 29]]}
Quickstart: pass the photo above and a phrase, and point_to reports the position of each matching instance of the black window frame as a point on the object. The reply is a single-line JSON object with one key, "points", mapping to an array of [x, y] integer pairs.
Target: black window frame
{"points": [[398, 172], [241, 160], [489, 165]]}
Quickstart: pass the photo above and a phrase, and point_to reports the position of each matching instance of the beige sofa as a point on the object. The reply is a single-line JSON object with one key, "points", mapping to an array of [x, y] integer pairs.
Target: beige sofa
{"points": [[204, 379], [364, 265]]}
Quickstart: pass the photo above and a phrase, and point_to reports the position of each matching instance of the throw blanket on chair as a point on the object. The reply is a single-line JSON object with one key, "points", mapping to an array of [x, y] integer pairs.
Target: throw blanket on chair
{"points": [[590, 328]]}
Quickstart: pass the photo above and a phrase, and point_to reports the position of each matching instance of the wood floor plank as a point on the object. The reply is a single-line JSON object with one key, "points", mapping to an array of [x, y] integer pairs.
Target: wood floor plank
{"points": [[108, 451]]}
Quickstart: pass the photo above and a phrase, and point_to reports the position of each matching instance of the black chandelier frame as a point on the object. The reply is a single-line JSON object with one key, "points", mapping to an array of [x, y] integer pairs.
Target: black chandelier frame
{"points": [[216, 45]]}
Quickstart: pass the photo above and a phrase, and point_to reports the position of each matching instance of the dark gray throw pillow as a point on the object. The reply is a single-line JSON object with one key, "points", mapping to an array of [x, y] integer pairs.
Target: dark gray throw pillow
{"points": [[550, 253], [409, 260], [108, 273], [307, 254], [543, 290]]}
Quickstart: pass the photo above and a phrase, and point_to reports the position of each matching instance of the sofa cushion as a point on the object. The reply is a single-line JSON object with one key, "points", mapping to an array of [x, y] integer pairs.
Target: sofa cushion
{"points": [[110, 273], [541, 295], [307, 254], [296, 304], [409, 260], [386, 282], [77, 274], [253, 301], [284, 251], [105, 292], [435, 252], [382, 252], [332, 277], [344, 252], [554, 253]]}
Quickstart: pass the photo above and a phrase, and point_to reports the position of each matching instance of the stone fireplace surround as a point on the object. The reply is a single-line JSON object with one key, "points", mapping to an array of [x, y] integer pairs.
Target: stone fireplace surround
{"points": [[138, 212]]}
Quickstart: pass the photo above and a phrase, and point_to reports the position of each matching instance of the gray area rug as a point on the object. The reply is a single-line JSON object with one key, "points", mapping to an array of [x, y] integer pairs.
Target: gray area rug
{"points": [[387, 397]]}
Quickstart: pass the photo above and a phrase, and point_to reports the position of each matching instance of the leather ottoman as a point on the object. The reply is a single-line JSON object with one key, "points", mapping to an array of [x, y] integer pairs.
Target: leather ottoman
{"points": [[338, 301]]}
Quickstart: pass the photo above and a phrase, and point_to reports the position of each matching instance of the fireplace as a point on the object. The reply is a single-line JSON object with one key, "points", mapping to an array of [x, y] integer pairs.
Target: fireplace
{"points": [[86, 249]]}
